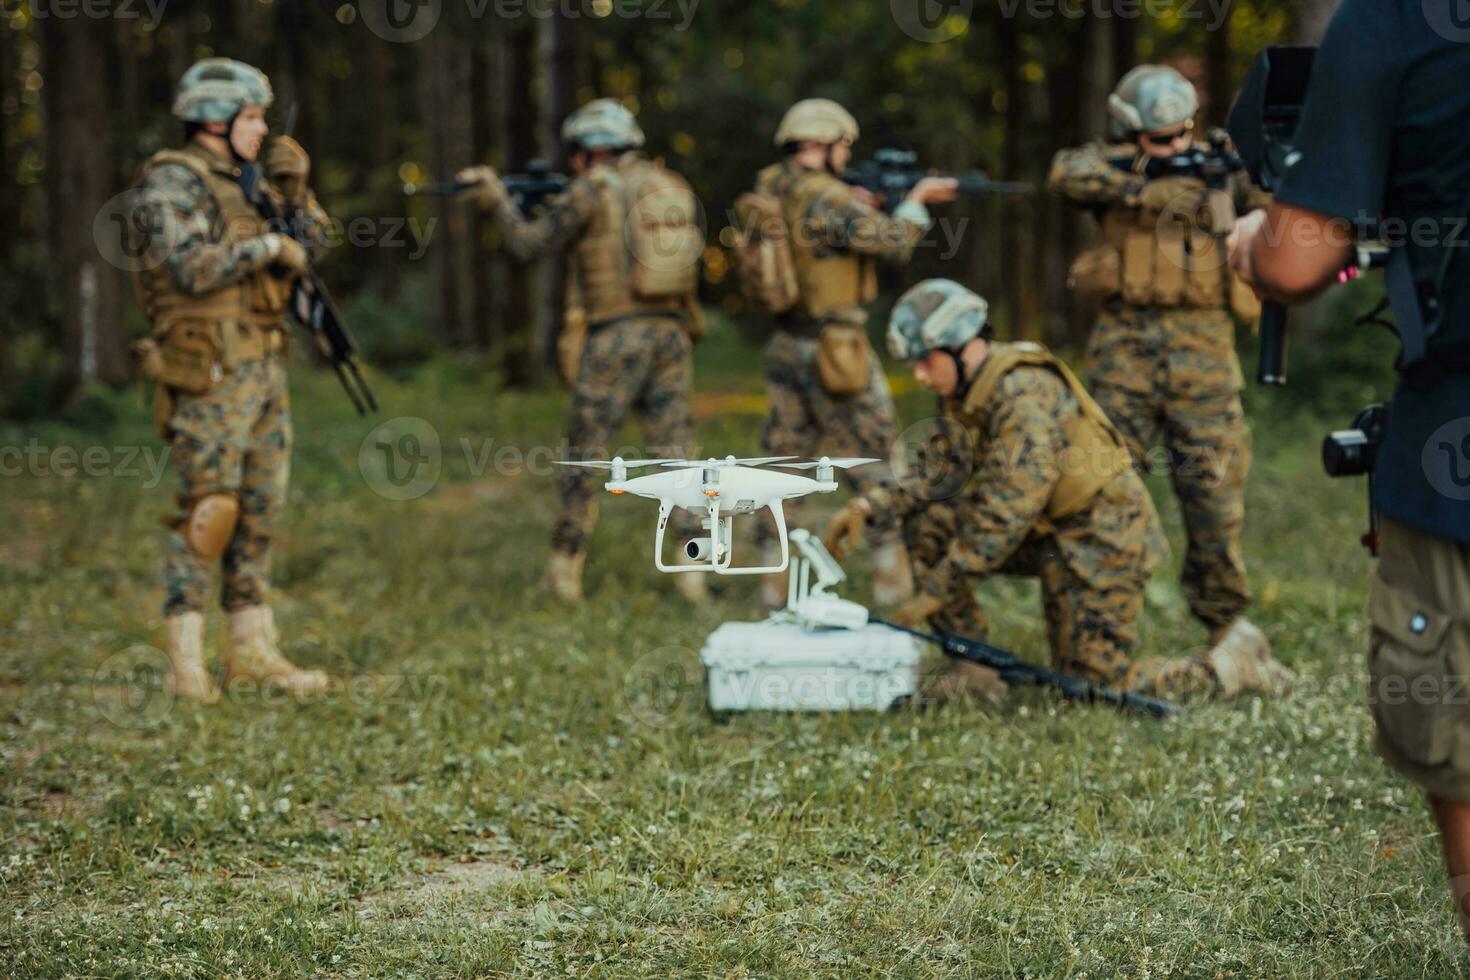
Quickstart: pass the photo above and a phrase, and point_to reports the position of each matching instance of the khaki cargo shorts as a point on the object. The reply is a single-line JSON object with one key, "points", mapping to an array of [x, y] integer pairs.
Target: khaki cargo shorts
{"points": [[1419, 658]]}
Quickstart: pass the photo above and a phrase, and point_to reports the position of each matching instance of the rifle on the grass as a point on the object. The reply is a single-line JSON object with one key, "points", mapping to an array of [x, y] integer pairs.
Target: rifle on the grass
{"points": [[1015, 671]]}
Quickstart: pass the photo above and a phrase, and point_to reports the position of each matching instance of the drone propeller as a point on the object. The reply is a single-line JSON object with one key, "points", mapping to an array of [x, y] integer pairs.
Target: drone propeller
{"points": [[607, 464], [841, 462], [727, 461]]}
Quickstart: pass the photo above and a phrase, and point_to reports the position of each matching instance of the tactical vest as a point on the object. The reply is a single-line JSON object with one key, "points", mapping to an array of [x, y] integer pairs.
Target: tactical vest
{"points": [[1171, 261], [604, 259], [834, 282], [258, 301], [1095, 452]]}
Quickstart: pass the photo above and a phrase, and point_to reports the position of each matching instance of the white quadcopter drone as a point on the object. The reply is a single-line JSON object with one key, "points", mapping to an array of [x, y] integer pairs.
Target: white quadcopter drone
{"points": [[716, 490]]}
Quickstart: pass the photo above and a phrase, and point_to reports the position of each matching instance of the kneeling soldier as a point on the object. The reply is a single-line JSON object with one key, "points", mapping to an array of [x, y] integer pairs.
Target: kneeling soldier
{"points": [[1044, 487]]}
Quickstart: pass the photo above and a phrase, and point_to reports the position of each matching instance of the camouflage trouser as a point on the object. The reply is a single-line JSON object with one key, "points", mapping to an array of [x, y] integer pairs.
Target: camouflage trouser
{"points": [[804, 418], [1174, 374], [1090, 629], [643, 364], [236, 439]]}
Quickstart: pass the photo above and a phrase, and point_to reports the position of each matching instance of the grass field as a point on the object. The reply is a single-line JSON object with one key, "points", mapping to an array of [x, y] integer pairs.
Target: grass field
{"points": [[508, 787]]}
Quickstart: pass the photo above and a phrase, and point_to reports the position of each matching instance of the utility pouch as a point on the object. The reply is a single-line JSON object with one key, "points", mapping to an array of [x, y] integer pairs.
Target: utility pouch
{"points": [[1138, 267], [187, 360], [571, 341], [844, 359], [1097, 273]]}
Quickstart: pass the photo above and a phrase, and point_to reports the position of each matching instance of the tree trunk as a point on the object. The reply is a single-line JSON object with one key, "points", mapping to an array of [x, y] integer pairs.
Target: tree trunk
{"points": [[448, 94], [1098, 74], [10, 198], [1059, 231], [1008, 40], [558, 51], [1125, 46], [1219, 89], [79, 183], [521, 365], [384, 265]]}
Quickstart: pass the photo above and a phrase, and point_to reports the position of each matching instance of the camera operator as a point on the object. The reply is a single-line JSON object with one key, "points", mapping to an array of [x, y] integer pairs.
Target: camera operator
{"points": [[1384, 144]]}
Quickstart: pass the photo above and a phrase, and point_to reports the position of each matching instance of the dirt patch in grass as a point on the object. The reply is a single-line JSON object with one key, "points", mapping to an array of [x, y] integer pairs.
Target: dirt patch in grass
{"points": [[452, 881]]}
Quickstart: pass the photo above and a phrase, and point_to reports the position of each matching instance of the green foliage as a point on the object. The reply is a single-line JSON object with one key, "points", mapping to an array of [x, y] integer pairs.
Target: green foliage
{"points": [[393, 333]]}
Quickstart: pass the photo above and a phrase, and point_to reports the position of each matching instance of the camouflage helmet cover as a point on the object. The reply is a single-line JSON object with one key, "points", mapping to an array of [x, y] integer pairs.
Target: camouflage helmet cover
{"points": [[819, 120], [600, 124], [1151, 97], [216, 89], [936, 314]]}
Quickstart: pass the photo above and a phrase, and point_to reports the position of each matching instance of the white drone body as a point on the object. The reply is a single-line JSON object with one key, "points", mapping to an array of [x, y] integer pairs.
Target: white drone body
{"points": [[716, 490]]}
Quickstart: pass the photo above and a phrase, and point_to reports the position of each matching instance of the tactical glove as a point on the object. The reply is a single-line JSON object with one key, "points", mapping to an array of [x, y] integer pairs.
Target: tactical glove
{"points": [[291, 254], [488, 191], [918, 610], [1173, 195], [846, 528], [288, 166]]}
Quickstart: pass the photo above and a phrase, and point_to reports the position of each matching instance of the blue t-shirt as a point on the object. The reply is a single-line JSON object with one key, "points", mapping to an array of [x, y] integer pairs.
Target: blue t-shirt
{"points": [[1385, 143]]}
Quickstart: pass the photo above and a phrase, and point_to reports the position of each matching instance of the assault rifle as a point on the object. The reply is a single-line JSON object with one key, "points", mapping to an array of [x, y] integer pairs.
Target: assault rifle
{"points": [[526, 190], [893, 173], [1016, 672], [1214, 162], [311, 304]]}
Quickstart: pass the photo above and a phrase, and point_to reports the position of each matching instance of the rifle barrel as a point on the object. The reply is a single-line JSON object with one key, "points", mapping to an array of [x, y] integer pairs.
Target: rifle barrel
{"points": [[1012, 669]]}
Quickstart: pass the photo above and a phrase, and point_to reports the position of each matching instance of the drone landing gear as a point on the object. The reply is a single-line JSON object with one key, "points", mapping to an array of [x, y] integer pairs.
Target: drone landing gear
{"points": [[716, 551]]}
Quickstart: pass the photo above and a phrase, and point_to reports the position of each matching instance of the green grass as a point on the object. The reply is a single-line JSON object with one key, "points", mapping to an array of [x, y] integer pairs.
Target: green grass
{"points": [[507, 787]]}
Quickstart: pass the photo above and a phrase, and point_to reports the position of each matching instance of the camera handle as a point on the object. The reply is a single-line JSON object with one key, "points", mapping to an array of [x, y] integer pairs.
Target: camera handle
{"points": [[1370, 540], [1271, 369]]}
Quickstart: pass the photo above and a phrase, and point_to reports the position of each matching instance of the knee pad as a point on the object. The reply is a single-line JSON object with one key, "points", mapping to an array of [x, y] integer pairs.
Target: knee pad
{"points": [[211, 523]]}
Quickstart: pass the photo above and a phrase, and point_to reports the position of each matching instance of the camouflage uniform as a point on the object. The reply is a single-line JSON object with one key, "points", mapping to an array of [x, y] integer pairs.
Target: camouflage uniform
{"points": [[830, 218], [641, 362], [1171, 373], [1093, 563], [236, 438]]}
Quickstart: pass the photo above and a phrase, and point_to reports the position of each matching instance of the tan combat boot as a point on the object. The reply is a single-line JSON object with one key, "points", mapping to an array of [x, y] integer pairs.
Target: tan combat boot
{"points": [[564, 575], [893, 578], [775, 585], [1242, 662], [188, 678], [963, 681], [254, 654]]}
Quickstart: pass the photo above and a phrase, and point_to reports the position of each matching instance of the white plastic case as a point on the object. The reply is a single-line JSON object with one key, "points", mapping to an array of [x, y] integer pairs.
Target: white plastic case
{"points": [[775, 666]]}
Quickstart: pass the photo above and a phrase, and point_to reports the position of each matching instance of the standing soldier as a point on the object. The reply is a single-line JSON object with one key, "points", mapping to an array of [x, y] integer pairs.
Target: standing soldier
{"points": [[822, 378], [1035, 481], [215, 294], [1161, 359], [632, 229]]}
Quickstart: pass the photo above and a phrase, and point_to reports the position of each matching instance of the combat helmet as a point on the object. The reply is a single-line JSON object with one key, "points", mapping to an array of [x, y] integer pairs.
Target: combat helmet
{"points": [[1149, 98], [936, 314], [818, 120], [601, 124], [216, 89]]}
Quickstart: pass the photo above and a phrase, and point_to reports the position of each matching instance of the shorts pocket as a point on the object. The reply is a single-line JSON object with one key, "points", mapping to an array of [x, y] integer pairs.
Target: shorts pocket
{"points": [[1411, 691]]}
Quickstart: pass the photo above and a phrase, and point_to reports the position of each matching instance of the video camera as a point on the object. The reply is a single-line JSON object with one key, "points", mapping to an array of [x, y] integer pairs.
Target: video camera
{"points": [[1263, 125], [1354, 452]]}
